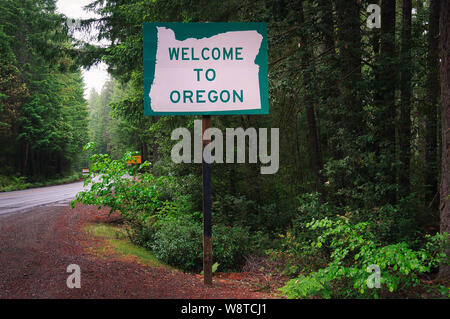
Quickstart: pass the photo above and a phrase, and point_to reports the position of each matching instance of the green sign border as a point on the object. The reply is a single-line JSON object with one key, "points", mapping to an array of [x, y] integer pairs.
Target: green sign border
{"points": [[184, 31]]}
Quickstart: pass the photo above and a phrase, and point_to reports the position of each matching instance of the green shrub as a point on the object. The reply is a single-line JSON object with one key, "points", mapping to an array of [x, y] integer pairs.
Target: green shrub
{"points": [[230, 246], [178, 242], [139, 197], [141, 232], [127, 189], [352, 250], [296, 254], [12, 183]]}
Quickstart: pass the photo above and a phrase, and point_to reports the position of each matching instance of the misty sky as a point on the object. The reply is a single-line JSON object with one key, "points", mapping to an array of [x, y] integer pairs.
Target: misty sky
{"points": [[97, 75]]}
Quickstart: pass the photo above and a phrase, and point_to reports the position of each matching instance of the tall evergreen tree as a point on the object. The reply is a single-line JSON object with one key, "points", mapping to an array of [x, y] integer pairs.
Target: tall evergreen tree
{"points": [[404, 131], [445, 118], [432, 105]]}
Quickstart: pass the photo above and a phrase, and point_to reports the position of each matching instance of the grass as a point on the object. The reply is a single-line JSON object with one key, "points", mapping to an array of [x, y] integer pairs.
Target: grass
{"points": [[118, 243]]}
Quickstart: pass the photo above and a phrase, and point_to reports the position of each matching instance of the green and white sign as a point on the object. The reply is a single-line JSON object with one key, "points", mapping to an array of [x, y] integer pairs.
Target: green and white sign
{"points": [[205, 68]]}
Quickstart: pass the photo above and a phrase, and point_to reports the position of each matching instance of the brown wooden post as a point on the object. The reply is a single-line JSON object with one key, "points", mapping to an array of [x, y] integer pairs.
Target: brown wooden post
{"points": [[207, 206]]}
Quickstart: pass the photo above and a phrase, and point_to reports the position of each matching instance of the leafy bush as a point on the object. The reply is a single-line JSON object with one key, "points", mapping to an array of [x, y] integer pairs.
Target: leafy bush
{"points": [[178, 242], [295, 254], [230, 246], [139, 197], [136, 195], [158, 217], [352, 250], [13, 183]]}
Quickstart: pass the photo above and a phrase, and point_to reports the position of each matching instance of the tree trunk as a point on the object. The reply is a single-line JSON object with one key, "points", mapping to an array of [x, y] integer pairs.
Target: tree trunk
{"points": [[330, 82], [432, 104], [349, 44], [385, 101], [310, 100], [326, 6], [405, 107], [445, 118]]}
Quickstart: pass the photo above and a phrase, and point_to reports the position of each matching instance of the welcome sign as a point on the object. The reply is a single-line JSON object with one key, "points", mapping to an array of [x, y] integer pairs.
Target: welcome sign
{"points": [[205, 68]]}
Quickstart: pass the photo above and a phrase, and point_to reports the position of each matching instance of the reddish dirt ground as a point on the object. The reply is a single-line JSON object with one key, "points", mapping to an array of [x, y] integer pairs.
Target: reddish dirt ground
{"points": [[37, 246]]}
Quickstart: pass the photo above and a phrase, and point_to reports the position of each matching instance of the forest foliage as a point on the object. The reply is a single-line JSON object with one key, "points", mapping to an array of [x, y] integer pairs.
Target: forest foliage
{"points": [[43, 114]]}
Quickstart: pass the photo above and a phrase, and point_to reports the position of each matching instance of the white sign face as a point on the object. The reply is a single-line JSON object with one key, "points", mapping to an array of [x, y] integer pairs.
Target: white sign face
{"points": [[217, 73]]}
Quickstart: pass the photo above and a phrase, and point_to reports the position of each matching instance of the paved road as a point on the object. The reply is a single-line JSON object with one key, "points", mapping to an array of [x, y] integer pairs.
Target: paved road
{"points": [[16, 201]]}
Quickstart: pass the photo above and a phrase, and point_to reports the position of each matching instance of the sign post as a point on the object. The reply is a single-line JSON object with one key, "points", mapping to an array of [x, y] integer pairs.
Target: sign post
{"points": [[205, 69], [207, 206]]}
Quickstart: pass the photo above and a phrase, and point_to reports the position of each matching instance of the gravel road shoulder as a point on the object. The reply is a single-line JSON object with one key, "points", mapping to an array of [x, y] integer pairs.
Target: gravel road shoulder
{"points": [[37, 246]]}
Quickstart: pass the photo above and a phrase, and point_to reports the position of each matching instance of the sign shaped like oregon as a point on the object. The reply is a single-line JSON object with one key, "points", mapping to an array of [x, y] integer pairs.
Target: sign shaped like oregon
{"points": [[205, 68]]}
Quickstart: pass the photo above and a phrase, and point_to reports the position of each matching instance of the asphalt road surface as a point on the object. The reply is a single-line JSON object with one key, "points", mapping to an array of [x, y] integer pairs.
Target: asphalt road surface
{"points": [[12, 202]]}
